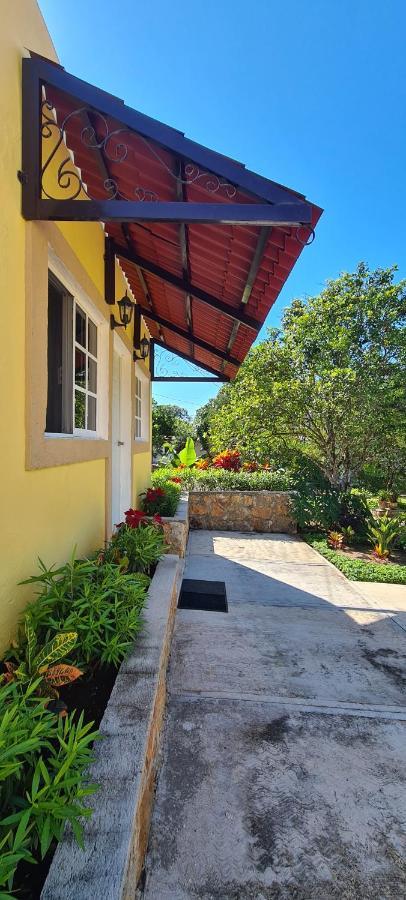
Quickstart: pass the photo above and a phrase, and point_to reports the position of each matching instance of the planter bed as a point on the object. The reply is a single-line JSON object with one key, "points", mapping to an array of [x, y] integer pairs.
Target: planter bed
{"points": [[90, 695], [125, 764], [355, 564]]}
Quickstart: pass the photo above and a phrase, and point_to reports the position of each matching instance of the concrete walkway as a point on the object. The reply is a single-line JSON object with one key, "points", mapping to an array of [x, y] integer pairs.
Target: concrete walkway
{"points": [[283, 767]]}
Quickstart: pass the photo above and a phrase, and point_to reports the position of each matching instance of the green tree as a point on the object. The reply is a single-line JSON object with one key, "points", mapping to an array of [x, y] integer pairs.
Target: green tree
{"points": [[330, 382], [201, 422], [170, 424]]}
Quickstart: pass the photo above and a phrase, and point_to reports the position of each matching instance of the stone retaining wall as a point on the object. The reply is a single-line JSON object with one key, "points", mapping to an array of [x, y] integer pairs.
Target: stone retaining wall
{"points": [[266, 511], [176, 529]]}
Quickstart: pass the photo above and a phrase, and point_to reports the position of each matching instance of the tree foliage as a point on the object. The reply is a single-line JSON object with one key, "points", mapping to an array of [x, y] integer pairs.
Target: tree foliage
{"points": [[170, 424], [329, 384]]}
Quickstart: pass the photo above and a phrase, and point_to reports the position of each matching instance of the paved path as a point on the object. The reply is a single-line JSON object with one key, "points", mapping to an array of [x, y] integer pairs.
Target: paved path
{"points": [[283, 770]]}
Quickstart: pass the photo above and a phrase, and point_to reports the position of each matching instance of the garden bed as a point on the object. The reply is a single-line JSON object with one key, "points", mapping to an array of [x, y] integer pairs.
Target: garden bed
{"points": [[357, 564], [90, 696], [125, 764], [57, 678]]}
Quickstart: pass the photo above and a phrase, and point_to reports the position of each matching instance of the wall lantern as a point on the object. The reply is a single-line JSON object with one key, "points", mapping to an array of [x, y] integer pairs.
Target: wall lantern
{"points": [[143, 348], [125, 308]]}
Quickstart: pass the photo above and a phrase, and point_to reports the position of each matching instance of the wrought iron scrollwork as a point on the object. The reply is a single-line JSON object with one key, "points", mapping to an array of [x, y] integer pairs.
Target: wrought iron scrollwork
{"points": [[68, 177], [114, 149], [168, 365], [305, 242]]}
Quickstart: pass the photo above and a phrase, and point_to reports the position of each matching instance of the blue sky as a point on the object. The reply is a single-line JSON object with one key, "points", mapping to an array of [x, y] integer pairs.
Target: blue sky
{"points": [[311, 94]]}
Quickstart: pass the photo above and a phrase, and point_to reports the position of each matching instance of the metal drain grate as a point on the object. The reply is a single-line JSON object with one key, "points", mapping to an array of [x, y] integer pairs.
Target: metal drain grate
{"points": [[198, 594]]}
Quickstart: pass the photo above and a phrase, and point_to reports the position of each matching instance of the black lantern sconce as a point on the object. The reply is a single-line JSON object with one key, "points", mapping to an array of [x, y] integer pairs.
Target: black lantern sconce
{"points": [[125, 308], [143, 348], [139, 343]]}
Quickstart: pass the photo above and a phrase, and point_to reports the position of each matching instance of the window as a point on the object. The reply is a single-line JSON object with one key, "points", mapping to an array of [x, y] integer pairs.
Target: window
{"points": [[73, 364], [85, 351], [138, 409], [141, 404]]}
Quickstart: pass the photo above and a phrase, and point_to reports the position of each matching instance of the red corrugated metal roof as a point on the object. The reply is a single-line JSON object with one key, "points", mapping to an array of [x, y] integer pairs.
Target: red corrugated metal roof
{"points": [[219, 256]]}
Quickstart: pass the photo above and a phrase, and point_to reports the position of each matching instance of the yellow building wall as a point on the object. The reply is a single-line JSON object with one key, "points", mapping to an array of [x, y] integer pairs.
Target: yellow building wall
{"points": [[43, 511]]}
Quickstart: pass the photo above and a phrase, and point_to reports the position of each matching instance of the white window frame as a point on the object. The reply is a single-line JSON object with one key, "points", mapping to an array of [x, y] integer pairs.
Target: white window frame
{"points": [[143, 418], [84, 432], [80, 298]]}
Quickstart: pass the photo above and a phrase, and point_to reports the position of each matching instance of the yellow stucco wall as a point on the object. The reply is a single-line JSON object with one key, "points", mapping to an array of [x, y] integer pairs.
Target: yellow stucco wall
{"points": [[43, 511]]}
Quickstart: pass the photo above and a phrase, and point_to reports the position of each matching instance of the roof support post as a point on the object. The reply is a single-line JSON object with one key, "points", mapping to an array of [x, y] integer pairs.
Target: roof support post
{"points": [[30, 176], [109, 272]]}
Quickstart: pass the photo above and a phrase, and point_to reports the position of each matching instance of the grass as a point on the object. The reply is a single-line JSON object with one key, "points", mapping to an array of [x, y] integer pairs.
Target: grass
{"points": [[357, 569]]}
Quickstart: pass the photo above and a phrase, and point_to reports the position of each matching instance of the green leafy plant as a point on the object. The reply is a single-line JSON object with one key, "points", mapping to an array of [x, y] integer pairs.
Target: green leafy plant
{"points": [[97, 599], [42, 764], [37, 665], [357, 569], [188, 456], [141, 547], [382, 533], [348, 534]]}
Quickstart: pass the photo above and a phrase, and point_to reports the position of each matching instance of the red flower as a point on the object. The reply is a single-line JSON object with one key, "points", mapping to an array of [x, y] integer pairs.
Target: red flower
{"points": [[134, 517], [176, 480], [157, 519], [153, 494]]}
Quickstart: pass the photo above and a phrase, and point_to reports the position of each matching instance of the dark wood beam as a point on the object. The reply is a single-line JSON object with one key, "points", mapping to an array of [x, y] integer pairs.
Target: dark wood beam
{"points": [[292, 214], [189, 378], [190, 359], [183, 285], [198, 342]]}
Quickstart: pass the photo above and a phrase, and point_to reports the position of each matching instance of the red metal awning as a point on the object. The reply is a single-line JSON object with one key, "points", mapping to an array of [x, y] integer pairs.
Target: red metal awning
{"points": [[205, 275]]}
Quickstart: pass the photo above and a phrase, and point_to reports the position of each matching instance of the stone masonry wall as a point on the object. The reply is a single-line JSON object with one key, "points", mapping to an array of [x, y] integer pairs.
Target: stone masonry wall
{"points": [[266, 511]]}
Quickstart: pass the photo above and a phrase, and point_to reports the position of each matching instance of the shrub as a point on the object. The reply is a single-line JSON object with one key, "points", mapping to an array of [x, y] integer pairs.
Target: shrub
{"points": [[42, 761], [93, 598], [223, 480], [357, 569], [228, 459], [165, 503], [139, 548], [353, 511], [382, 533]]}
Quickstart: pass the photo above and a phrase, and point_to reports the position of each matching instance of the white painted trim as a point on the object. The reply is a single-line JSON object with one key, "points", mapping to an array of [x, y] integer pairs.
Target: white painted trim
{"points": [[145, 407], [57, 267]]}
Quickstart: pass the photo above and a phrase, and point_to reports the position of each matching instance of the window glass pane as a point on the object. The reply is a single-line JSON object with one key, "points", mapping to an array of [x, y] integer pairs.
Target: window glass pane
{"points": [[80, 409], [92, 338], [91, 413], [80, 327], [80, 367], [92, 383]]}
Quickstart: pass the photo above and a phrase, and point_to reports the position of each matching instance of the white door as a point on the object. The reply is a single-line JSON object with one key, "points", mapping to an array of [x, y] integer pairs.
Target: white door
{"points": [[121, 432]]}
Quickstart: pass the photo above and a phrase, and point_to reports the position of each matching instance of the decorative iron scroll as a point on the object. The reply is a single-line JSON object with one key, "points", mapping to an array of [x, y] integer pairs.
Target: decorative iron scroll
{"points": [[169, 365], [69, 179], [310, 238]]}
